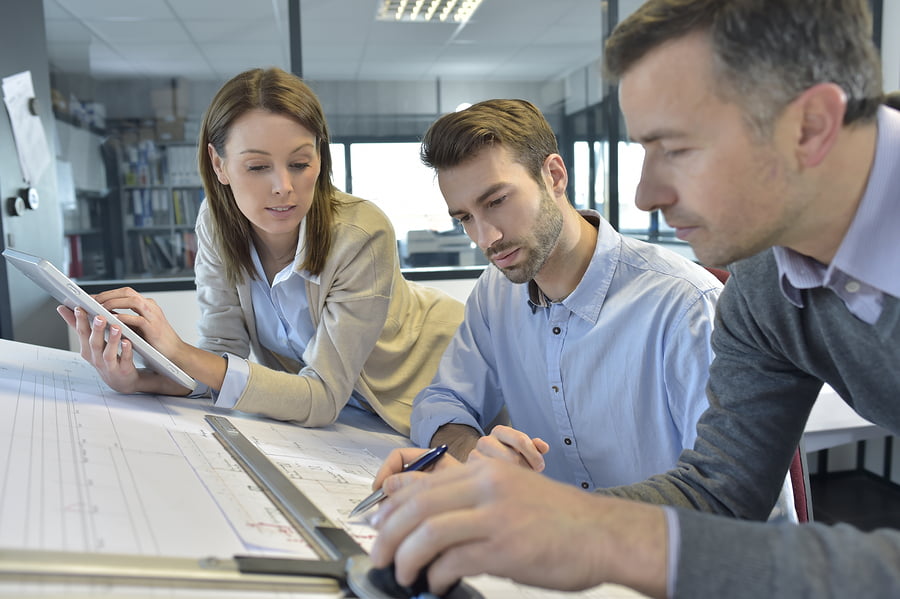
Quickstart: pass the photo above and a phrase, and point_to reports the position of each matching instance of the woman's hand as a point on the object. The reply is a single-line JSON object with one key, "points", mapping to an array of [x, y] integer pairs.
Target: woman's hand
{"points": [[145, 317], [104, 347]]}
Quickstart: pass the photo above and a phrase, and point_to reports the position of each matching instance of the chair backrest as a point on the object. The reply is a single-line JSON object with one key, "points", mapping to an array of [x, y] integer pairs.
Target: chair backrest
{"points": [[798, 471], [719, 273], [800, 486]]}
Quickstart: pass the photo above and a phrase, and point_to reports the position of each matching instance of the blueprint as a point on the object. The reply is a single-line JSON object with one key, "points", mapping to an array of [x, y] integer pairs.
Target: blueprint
{"points": [[85, 469]]}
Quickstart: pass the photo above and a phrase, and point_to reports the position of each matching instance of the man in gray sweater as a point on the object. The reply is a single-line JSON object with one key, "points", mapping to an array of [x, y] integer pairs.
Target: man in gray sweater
{"points": [[766, 149]]}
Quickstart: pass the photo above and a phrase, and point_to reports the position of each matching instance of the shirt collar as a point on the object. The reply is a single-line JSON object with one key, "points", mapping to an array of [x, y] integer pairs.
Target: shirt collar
{"points": [[587, 298], [867, 249]]}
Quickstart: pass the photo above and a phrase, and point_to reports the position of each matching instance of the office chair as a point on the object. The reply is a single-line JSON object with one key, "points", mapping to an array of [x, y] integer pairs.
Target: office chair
{"points": [[798, 469]]}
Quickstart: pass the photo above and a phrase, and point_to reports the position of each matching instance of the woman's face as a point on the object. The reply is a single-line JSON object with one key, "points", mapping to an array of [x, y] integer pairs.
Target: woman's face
{"points": [[271, 165]]}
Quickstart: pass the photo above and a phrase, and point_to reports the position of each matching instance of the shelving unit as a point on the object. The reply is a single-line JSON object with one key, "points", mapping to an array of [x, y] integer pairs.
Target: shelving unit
{"points": [[86, 228], [159, 194]]}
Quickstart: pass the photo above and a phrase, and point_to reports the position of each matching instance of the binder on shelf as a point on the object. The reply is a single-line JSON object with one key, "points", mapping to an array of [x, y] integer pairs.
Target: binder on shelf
{"points": [[76, 266], [190, 248], [177, 207], [137, 206]]}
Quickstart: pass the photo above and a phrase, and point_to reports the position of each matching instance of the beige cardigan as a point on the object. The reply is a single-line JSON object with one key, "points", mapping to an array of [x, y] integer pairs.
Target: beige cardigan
{"points": [[376, 332]]}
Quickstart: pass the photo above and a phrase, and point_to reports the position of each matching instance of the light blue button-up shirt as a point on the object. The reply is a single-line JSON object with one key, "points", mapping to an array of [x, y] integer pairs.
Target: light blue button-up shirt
{"points": [[863, 269], [283, 324], [613, 377]]}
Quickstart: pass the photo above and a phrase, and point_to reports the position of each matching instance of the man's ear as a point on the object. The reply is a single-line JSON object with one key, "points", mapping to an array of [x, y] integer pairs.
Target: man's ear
{"points": [[216, 161], [821, 111], [555, 173]]}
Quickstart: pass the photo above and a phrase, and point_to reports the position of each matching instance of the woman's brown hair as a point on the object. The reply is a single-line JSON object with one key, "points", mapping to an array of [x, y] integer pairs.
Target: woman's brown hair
{"points": [[278, 92]]}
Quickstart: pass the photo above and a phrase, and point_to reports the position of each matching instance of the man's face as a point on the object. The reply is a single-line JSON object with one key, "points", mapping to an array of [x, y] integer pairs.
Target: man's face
{"points": [[725, 192], [514, 221]]}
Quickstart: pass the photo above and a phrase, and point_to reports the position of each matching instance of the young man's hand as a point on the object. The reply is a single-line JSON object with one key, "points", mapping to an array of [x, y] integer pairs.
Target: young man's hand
{"points": [[514, 446]]}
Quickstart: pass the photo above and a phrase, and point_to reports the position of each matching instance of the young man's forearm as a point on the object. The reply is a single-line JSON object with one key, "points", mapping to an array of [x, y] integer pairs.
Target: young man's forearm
{"points": [[460, 439]]}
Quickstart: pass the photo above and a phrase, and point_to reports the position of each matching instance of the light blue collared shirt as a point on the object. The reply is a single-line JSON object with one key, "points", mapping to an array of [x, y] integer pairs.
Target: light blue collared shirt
{"points": [[863, 269], [613, 377], [283, 324]]}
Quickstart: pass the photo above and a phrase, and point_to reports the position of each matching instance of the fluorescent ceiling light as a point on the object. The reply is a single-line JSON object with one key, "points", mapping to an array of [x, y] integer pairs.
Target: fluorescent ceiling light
{"points": [[421, 11]]}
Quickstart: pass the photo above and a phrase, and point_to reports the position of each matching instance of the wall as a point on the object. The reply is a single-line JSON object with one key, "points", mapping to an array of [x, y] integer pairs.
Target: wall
{"points": [[353, 108], [27, 312]]}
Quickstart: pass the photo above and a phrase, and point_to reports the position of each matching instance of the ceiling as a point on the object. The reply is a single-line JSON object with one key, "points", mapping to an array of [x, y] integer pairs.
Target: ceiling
{"points": [[527, 40]]}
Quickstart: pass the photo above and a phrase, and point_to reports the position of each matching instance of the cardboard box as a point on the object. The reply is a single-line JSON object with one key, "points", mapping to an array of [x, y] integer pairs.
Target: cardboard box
{"points": [[169, 130]]}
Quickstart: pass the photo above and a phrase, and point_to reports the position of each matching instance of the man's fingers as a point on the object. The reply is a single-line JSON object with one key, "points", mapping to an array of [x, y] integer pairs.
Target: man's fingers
{"points": [[398, 458], [412, 503], [542, 446], [519, 442]]}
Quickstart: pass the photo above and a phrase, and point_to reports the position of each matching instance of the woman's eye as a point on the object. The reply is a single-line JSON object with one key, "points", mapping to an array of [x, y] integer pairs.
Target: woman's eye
{"points": [[497, 202]]}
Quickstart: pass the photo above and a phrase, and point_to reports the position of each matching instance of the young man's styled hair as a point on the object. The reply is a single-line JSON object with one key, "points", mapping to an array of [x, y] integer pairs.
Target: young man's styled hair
{"points": [[765, 52], [516, 125], [278, 92]]}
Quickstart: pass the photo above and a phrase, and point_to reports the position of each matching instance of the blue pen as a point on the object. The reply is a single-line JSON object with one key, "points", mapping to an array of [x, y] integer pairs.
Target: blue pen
{"points": [[421, 463]]}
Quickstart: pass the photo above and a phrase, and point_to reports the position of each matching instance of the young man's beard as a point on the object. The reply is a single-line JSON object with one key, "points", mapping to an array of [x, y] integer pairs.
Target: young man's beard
{"points": [[539, 245]]}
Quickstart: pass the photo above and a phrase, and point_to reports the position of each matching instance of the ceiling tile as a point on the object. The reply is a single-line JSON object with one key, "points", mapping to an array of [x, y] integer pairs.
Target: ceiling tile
{"points": [[116, 9], [156, 32], [340, 38]]}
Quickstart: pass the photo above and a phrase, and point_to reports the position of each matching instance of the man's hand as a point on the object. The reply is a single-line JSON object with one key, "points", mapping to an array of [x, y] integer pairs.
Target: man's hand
{"points": [[490, 517], [394, 463], [514, 446]]}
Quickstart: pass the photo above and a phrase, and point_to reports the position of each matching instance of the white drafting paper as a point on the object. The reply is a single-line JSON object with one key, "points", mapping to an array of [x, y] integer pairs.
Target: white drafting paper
{"points": [[85, 469], [28, 130]]}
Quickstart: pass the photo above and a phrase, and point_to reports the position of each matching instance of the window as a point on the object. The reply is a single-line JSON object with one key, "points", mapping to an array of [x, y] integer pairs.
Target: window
{"points": [[587, 163], [392, 176], [338, 166]]}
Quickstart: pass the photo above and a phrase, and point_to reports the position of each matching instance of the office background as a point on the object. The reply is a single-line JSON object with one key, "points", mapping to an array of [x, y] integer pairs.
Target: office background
{"points": [[121, 87]]}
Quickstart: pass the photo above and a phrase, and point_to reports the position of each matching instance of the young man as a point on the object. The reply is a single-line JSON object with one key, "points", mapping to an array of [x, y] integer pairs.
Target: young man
{"points": [[762, 127], [596, 344]]}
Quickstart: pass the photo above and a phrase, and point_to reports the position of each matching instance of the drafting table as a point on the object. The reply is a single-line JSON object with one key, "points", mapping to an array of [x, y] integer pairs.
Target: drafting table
{"points": [[832, 422], [84, 469]]}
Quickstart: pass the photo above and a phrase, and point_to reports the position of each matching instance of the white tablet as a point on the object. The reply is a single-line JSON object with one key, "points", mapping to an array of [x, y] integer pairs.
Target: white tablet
{"points": [[67, 292]]}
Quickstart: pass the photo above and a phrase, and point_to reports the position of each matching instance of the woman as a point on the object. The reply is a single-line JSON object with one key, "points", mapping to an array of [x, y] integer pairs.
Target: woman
{"points": [[288, 267]]}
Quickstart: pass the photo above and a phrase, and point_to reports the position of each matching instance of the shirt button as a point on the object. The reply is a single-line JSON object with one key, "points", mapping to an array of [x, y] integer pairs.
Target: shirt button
{"points": [[555, 389], [585, 486], [567, 441], [852, 286], [557, 330]]}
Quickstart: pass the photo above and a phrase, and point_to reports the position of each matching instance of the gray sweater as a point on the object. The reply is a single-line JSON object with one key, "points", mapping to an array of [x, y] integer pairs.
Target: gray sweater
{"points": [[771, 359]]}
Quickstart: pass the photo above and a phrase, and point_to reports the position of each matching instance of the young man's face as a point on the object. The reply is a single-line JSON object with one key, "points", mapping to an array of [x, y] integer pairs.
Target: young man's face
{"points": [[514, 220], [725, 192]]}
